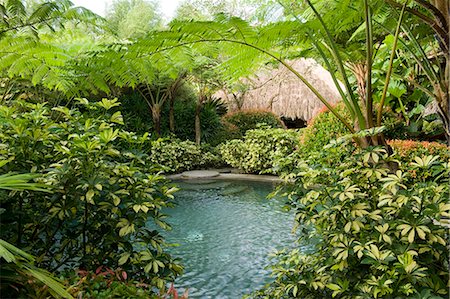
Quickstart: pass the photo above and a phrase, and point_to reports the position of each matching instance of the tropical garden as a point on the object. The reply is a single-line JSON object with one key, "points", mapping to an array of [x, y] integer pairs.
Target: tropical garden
{"points": [[96, 112]]}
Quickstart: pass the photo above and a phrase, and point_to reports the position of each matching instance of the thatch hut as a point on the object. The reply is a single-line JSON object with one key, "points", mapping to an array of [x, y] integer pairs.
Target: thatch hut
{"points": [[280, 91]]}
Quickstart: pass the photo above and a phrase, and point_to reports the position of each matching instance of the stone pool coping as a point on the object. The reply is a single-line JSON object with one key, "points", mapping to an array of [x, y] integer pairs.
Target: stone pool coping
{"points": [[223, 174]]}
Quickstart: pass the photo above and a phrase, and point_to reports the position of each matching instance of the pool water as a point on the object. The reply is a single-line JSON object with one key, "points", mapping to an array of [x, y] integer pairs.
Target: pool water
{"points": [[225, 231]]}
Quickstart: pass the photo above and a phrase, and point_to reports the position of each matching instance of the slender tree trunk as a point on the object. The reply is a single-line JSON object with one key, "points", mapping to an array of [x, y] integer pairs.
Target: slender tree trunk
{"points": [[156, 115], [198, 109], [171, 115]]}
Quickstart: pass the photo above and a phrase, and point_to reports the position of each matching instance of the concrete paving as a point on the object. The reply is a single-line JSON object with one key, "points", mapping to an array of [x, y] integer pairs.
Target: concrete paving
{"points": [[199, 174], [218, 174]]}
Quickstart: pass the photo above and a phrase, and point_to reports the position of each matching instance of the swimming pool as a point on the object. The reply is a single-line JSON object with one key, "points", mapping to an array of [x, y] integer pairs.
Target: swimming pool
{"points": [[225, 231]]}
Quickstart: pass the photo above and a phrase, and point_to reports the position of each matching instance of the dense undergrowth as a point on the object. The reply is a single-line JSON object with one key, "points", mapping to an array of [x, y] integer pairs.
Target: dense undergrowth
{"points": [[104, 209], [377, 220]]}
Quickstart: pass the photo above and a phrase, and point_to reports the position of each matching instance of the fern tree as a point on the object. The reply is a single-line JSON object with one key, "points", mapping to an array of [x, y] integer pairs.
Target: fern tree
{"points": [[246, 47], [205, 80], [28, 51], [157, 93]]}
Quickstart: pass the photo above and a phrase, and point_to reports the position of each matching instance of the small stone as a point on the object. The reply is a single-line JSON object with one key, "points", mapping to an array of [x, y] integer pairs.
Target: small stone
{"points": [[199, 174]]}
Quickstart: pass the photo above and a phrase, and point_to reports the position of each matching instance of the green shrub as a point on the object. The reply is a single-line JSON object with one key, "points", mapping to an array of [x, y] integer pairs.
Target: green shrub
{"points": [[323, 128], [138, 118], [407, 149], [107, 197], [246, 120], [174, 155], [225, 133], [136, 113], [260, 149], [373, 232]]}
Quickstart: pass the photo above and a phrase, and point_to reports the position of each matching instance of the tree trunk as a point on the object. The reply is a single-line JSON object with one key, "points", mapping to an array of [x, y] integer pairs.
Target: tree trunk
{"points": [[198, 109], [171, 115], [156, 116]]}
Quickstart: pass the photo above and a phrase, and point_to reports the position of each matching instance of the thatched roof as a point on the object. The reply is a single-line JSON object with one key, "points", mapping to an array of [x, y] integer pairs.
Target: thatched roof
{"points": [[280, 91]]}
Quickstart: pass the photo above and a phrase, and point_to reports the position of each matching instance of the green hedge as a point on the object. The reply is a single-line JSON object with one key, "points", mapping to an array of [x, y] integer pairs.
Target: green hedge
{"points": [[260, 149], [174, 155]]}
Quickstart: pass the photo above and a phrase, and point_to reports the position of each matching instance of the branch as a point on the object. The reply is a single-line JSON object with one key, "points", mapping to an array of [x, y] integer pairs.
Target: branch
{"points": [[441, 32], [26, 25], [435, 11]]}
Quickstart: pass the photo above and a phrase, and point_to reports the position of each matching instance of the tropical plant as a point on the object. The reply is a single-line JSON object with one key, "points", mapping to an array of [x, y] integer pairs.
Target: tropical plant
{"points": [[174, 155], [157, 93], [20, 277], [260, 149], [322, 129], [18, 272], [244, 48], [105, 191], [29, 57], [430, 51], [408, 149], [372, 233], [17, 16]]}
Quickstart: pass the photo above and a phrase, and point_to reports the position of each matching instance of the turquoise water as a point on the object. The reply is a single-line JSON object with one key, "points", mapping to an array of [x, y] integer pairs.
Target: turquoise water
{"points": [[226, 231]]}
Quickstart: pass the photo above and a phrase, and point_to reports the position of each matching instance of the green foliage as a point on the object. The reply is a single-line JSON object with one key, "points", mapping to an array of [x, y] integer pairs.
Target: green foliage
{"points": [[376, 233], [138, 118], [323, 128], [174, 155], [184, 112], [20, 277], [260, 149], [17, 17], [408, 149], [246, 120], [107, 199], [226, 132], [108, 283]]}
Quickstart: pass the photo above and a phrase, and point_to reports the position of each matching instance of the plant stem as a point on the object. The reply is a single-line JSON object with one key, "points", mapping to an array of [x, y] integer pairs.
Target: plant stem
{"points": [[391, 64], [369, 53]]}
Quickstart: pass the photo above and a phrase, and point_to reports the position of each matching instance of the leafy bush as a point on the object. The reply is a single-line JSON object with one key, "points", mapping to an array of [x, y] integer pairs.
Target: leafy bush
{"points": [[138, 118], [246, 120], [407, 149], [260, 149], [174, 155], [322, 129], [106, 204], [225, 133], [375, 232]]}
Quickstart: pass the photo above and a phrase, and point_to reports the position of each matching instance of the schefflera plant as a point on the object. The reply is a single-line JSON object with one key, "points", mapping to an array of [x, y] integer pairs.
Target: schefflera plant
{"points": [[377, 233], [107, 197]]}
